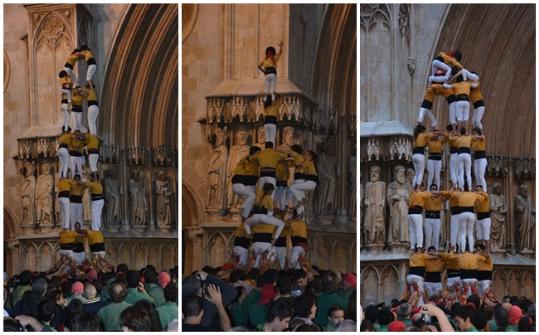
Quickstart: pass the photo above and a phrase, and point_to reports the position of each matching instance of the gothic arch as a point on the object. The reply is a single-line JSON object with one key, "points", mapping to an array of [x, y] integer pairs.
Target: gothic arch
{"points": [[192, 207], [140, 104]]}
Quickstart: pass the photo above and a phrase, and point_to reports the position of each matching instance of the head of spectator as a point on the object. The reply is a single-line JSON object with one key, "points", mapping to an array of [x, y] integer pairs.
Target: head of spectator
{"points": [[474, 299], [87, 322], [122, 268], [150, 277], [191, 287], [515, 314], [58, 297], [404, 310], [171, 293], [480, 319], [192, 310], [385, 316], [349, 280], [277, 317], [39, 287], [464, 317], [25, 278], [46, 311], [118, 292], [335, 314], [305, 307], [396, 326], [90, 292], [300, 279], [284, 285], [501, 316], [163, 279], [371, 313], [152, 312], [77, 289], [330, 282], [72, 311], [525, 325], [136, 318], [133, 279], [347, 326]]}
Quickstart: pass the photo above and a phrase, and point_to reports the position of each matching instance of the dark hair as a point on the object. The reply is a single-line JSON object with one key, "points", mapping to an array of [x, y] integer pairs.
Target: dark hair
{"points": [[39, 286], [525, 324], [449, 127], [371, 313], [334, 308], [303, 305], [117, 292], [385, 316], [514, 300], [329, 281], [192, 306], [466, 312], [152, 312], [271, 50], [136, 319], [62, 74], [254, 273], [190, 286], [46, 310], [433, 185], [72, 312], [455, 309], [268, 101], [254, 150], [171, 292], [150, 277], [25, 278], [458, 55], [269, 145], [84, 47], [75, 50], [480, 319], [308, 328], [418, 130], [87, 322], [477, 130], [299, 273], [278, 309], [431, 248], [122, 268], [462, 131], [268, 187], [12, 325], [501, 317], [351, 311], [297, 148], [314, 287], [366, 326], [133, 279]]}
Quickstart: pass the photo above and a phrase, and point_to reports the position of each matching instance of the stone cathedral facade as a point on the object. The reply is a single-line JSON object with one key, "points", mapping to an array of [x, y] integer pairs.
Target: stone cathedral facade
{"points": [[136, 48], [398, 42], [222, 105]]}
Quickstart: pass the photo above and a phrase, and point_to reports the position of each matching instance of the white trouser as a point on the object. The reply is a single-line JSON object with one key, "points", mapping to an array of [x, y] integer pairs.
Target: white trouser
{"points": [[415, 227], [434, 168], [462, 110], [65, 110], [270, 132], [92, 161], [68, 253], [79, 257], [264, 180], [90, 72], [453, 113], [296, 253], [465, 167], [72, 75], [67, 92], [99, 253], [453, 169], [267, 219], [477, 116], [78, 119], [482, 229], [63, 157], [455, 225], [424, 111], [419, 167], [270, 84], [434, 289], [75, 209], [242, 254], [259, 248], [93, 112], [453, 282], [247, 192], [479, 169], [281, 196], [415, 280], [97, 209], [467, 224], [300, 186], [64, 211], [76, 165], [484, 286], [469, 282], [281, 256], [432, 232]]}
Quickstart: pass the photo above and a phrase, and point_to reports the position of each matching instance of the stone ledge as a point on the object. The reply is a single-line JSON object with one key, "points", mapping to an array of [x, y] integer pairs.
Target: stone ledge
{"points": [[383, 128]]}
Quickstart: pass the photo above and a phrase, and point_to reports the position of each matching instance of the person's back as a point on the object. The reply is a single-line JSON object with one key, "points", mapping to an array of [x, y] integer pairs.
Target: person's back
{"points": [[153, 288], [31, 299], [328, 298], [110, 314], [169, 310], [92, 303]]}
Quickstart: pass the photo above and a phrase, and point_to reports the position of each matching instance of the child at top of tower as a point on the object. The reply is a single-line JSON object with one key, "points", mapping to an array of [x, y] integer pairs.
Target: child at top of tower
{"points": [[269, 67]]}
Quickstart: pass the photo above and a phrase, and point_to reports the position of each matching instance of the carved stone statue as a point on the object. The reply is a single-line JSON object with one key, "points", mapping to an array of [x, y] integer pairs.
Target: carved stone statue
{"points": [[397, 197], [524, 220], [410, 173], [260, 138], [137, 199], [87, 205], [288, 139], [217, 172], [352, 177], [112, 193], [327, 174], [375, 198], [362, 214], [163, 193], [28, 194], [498, 211], [44, 199], [238, 151]]}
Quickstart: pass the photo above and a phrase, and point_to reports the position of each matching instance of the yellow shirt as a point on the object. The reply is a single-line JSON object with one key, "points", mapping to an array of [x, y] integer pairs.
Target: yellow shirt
{"points": [[95, 188], [87, 54], [475, 94], [262, 228], [94, 237], [65, 138], [72, 59], [77, 189], [464, 141], [483, 204], [439, 89], [433, 203], [478, 144], [246, 167], [462, 88], [422, 140], [91, 95], [76, 99], [436, 146], [451, 260], [66, 82], [92, 142], [281, 172], [418, 198], [434, 264], [268, 62], [309, 169], [272, 110], [64, 185], [484, 263], [468, 261], [449, 60], [267, 202], [76, 144], [269, 158], [453, 142], [240, 231], [298, 228], [418, 259], [67, 237], [467, 199]]}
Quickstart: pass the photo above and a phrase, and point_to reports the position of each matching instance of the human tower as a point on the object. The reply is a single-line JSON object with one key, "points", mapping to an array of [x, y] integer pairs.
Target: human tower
{"points": [[75, 146], [466, 262]]}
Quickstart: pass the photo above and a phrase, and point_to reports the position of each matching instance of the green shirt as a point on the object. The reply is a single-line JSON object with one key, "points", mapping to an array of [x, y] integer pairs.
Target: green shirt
{"points": [[134, 295], [110, 315], [511, 328], [330, 327], [472, 329], [167, 312], [156, 292], [382, 328], [18, 293], [323, 302]]}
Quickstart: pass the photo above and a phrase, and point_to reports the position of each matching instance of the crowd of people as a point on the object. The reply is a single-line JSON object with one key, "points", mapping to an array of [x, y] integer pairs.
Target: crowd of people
{"points": [[265, 299], [86, 297], [465, 299]]}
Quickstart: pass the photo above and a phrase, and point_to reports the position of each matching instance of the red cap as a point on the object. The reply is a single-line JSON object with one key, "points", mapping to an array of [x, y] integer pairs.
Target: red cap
{"points": [[228, 266], [349, 279], [77, 288], [164, 279], [268, 292], [515, 314], [92, 275], [396, 326]]}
